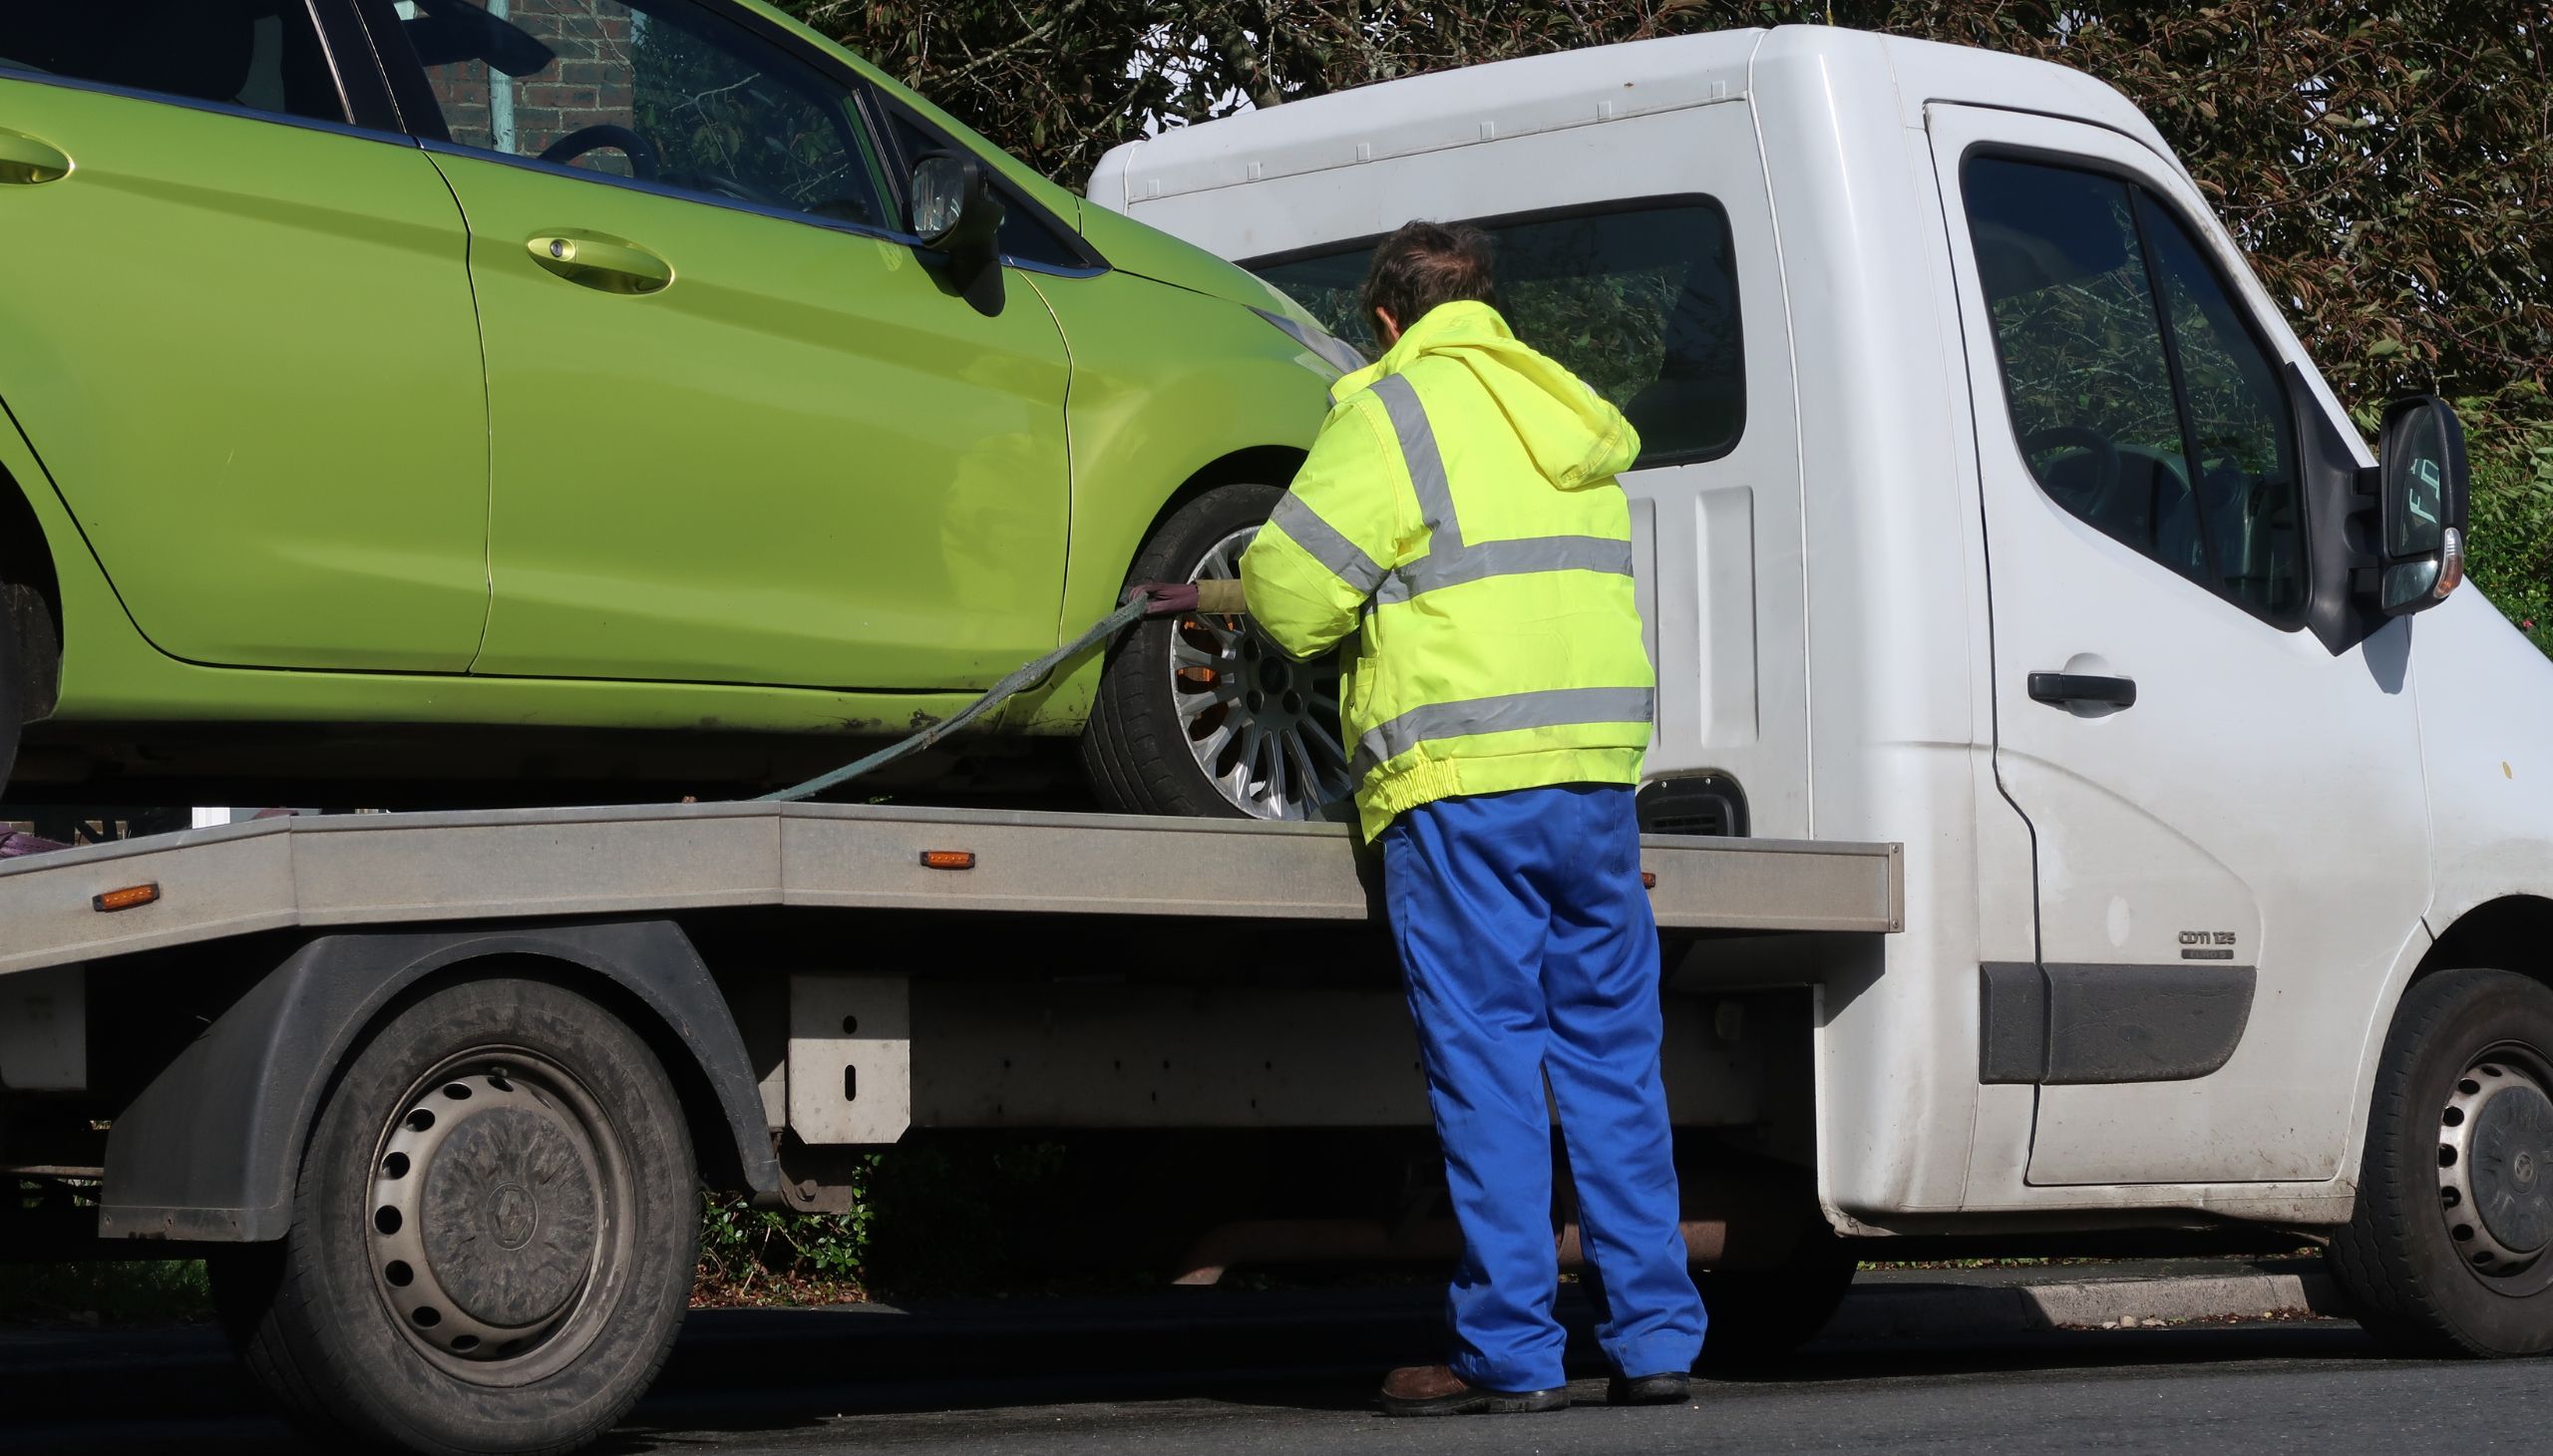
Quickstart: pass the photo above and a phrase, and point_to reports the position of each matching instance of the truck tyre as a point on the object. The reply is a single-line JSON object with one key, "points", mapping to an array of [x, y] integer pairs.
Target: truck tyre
{"points": [[2449, 1251], [494, 1232], [1202, 715]]}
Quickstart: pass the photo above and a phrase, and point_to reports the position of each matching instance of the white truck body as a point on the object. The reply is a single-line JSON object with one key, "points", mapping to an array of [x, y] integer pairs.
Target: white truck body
{"points": [[2206, 906]]}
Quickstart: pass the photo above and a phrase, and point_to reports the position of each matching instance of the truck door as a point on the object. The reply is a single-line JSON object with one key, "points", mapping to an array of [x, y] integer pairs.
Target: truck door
{"points": [[2230, 839]]}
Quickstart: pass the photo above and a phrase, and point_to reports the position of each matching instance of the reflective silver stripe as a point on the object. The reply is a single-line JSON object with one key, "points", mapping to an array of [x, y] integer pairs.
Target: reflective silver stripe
{"points": [[1342, 557], [1558, 707], [1507, 559], [1427, 466], [1449, 562]]}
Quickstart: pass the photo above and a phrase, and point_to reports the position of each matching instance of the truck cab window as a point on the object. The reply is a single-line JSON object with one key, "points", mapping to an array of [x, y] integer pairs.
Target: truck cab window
{"points": [[2241, 435], [1641, 301], [2140, 398]]}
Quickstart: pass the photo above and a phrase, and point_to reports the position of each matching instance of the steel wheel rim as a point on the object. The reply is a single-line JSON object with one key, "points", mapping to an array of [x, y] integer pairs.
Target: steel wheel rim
{"points": [[2495, 1168], [499, 1216], [1264, 729]]}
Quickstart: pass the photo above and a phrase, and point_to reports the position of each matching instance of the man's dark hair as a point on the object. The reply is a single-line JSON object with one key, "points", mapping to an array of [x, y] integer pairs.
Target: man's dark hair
{"points": [[1425, 264]]}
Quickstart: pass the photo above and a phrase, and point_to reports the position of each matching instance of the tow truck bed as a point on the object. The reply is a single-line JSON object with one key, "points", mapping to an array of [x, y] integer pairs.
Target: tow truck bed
{"points": [[541, 864]]}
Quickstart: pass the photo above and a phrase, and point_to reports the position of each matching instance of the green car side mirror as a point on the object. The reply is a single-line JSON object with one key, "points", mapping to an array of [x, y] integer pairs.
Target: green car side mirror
{"points": [[958, 214]]}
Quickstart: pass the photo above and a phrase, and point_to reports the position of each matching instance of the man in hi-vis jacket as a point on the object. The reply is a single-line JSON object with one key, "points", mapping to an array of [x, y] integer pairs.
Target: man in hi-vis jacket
{"points": [[1459, 519]]}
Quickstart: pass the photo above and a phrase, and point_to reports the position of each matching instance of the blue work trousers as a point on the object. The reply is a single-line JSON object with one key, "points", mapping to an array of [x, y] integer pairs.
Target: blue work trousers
{"points": [[1529, 950]]}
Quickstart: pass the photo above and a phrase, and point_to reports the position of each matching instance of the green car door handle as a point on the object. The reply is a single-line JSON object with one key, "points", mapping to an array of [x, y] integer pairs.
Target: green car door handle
{"points": [[25, 161], [603, 263]]}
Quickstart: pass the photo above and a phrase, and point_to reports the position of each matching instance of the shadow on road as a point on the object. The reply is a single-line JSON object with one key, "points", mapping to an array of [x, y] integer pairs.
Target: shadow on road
{"points": [[1334, 1371], [745, 1372]]}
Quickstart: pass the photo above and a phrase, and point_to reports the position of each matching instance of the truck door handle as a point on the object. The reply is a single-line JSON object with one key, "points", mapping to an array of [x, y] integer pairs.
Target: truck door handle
{"points": [[2068, 689], [25, 161], [603, 263]]}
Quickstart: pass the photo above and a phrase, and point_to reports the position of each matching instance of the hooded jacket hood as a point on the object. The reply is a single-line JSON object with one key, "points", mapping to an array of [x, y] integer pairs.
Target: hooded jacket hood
{"points": [[1573, 436]]}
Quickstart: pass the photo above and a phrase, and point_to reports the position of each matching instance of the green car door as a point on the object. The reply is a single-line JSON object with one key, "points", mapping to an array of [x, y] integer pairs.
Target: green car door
{"points": [[237, 332], [741, 431]]}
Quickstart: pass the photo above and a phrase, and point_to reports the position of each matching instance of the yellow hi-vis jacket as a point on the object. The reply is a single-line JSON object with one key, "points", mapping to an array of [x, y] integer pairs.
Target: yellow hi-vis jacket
{"points": [[1458, 514]]}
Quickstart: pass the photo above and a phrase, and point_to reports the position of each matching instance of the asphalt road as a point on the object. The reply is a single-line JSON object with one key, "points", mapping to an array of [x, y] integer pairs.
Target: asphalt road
{"points": [[837, 1382]]}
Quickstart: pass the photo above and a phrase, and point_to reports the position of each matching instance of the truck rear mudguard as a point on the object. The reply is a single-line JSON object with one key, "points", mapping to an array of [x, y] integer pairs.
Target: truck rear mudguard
{"points": [[210, 1149]]}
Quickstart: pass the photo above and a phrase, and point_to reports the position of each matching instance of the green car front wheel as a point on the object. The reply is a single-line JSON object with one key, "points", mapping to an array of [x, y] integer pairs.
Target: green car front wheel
{"points": [[1202, 715]]}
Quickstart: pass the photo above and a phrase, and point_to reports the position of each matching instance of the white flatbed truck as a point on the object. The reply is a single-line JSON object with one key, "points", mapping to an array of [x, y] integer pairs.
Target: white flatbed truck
{"points": [[1989, 505], [444, 1085], [1991, 512]]}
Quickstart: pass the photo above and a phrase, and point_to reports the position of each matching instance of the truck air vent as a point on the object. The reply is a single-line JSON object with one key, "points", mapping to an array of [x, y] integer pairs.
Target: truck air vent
{"points": [[1705, 804]]}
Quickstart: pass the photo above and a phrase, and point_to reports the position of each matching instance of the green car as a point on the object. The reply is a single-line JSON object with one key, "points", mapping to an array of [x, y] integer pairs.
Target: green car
{"points": [[454, 401]]}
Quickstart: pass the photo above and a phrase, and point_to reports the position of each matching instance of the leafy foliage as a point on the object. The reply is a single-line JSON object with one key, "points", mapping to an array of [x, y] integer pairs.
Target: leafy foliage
{"points": [[117, 1292], [929, 1215], [751, 1256], [2512, 550]]}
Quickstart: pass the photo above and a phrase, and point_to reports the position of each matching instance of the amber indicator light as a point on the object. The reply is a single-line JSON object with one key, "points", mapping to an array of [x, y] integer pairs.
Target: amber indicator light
{"points": [[128, 897], [949, 859]]}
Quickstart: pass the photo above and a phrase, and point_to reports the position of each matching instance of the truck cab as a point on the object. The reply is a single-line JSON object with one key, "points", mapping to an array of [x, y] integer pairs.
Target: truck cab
{"points": [[1988, 506]]}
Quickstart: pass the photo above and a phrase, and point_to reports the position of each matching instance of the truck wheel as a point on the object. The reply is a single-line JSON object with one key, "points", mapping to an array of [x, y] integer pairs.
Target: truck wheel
{"points": [[492, 1234], [1202, 715], [2449, 1250]]}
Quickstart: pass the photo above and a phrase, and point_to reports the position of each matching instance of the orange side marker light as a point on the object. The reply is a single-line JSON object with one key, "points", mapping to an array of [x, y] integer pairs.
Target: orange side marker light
{"points": [[132, 896], [949, 859]]}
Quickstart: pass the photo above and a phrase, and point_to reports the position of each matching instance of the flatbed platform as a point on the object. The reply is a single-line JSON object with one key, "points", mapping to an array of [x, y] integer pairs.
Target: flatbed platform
{"points": [[342, 871]]}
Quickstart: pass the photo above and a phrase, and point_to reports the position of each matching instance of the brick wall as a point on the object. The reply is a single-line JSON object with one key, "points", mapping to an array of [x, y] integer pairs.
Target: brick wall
{"points": [[592, 83]]}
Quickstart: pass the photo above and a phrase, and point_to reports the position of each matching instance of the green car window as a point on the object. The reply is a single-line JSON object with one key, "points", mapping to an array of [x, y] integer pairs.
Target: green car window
{"points": [[658, 91], [258, 54]]}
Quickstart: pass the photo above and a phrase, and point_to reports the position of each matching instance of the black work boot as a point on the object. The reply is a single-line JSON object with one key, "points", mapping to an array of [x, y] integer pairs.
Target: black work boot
{"points": [[1668, 1387], [1437, 1390]]}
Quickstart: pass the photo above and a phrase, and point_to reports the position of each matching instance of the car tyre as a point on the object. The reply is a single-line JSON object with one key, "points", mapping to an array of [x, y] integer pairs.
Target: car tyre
{"points": [[2449, 1249], [1202, 716], [494, 1232]]}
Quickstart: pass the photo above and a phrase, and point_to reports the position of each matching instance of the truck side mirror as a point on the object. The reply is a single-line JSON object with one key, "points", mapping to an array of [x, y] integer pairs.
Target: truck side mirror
{"points": [[958, 214], [2422, 504]]}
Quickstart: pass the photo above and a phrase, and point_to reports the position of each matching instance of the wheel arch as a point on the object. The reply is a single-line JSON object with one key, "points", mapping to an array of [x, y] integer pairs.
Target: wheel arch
{"points": [[2514, 932], [211, 1147], [1063, 703], [2510, 932], [1270, 465]]}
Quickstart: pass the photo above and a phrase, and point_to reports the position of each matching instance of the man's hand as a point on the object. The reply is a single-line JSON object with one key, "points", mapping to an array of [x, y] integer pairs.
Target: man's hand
{"points": [[1222, 596], [1164, 599]]}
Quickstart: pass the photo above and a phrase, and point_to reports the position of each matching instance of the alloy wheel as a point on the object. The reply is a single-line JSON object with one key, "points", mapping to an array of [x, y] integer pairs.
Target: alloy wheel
{"points": [[1263, 727]]}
